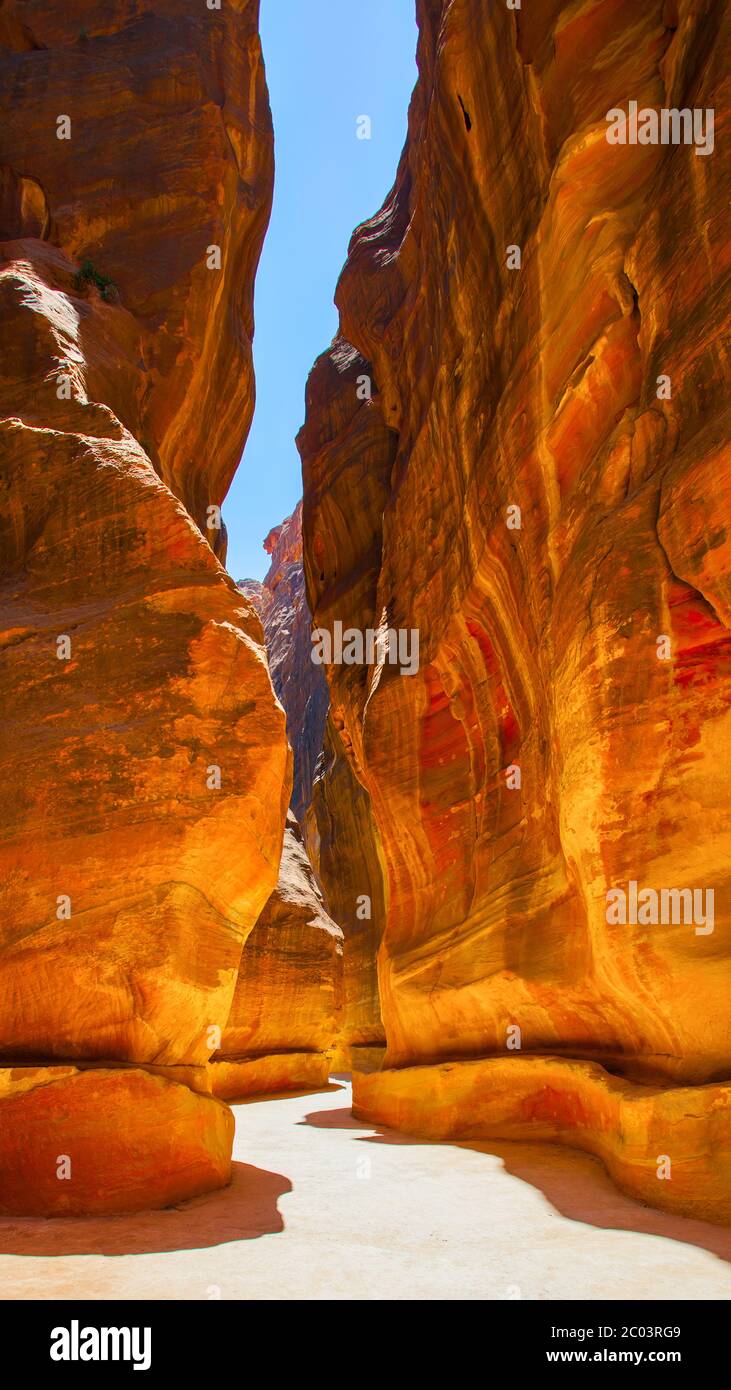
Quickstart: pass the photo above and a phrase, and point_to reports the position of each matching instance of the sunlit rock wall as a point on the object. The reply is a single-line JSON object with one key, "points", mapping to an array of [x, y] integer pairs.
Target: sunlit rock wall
{"points": [[539, 486], [144, 761]]}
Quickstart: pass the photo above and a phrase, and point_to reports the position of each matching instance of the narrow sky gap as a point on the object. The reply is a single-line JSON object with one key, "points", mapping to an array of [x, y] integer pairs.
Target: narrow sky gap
{"points": [[327, 62]]}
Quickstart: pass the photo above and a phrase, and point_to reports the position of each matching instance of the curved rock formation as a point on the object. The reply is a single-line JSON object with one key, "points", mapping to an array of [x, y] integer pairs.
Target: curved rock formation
{"points": [[285, 1015], [668, 1146], [517, 447], [145, 762]]}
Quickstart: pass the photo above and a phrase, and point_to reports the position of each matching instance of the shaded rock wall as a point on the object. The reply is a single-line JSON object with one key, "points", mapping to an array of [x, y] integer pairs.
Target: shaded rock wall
{"points": [[300, 685], [537, 388], [145, 758], [285, 1016], [342, 843], [332, 806]]}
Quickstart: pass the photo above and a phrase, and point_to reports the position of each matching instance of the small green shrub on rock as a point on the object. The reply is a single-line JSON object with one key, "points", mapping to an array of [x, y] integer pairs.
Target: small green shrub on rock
{"points": [[89, 275]]}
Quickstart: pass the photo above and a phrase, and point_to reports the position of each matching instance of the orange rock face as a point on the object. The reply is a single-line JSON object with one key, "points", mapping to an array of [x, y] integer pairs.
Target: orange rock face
{"points": [[169, 156], [285, 1015], [269, 1075], [539, 486], [145, 761], [103, 1141]]}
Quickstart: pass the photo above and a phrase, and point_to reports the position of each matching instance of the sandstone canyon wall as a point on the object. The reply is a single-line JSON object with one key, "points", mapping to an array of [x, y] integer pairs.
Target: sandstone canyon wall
{"points": [[331, 805], [525, 491], [300, 684], [343, 845], [144, 758]]}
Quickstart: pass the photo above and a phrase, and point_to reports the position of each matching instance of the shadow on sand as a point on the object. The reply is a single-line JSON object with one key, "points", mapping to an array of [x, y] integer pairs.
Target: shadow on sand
{"points": [[247, 1208], [244, 1210], [576, 1184]]}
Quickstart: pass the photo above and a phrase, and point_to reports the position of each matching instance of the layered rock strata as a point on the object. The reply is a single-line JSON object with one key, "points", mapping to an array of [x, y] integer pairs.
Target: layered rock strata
{"points": [[518, 447], [285, 1016], [145, 760]]}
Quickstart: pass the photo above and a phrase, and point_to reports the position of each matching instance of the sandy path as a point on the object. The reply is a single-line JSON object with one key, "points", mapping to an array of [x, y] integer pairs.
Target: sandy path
{"points": [[323, 1207]]}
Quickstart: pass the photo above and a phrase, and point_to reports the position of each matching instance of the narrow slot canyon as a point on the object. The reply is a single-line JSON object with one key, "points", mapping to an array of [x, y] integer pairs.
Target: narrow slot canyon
{"points": [[365, 926]]}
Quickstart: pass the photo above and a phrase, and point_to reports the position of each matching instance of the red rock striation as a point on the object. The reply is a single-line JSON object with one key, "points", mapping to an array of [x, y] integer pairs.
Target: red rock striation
{"points": [[539, 485], [145, 760]]}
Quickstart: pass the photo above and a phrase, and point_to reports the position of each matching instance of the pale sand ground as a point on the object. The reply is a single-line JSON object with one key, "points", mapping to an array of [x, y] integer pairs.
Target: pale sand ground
{"points": [[323, 1207]]}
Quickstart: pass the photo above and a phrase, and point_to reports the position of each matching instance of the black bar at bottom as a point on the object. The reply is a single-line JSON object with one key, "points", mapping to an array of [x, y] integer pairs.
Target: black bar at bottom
{"points": [[231, 1340]]}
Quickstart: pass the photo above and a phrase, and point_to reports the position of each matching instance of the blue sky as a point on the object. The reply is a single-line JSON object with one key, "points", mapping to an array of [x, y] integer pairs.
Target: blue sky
{"points": [[327, 62]]}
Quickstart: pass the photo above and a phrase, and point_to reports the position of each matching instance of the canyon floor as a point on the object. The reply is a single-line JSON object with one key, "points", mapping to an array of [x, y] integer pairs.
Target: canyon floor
{"points": [[325, 1207]]}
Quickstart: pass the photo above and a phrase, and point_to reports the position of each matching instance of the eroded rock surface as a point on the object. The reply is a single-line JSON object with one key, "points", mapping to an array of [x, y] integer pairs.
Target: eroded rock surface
{"points": [[145, 760], [536, 387]]}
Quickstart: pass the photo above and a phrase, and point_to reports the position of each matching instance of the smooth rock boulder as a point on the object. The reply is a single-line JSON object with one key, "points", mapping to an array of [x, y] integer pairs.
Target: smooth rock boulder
{"points": [[104, 1140]]}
